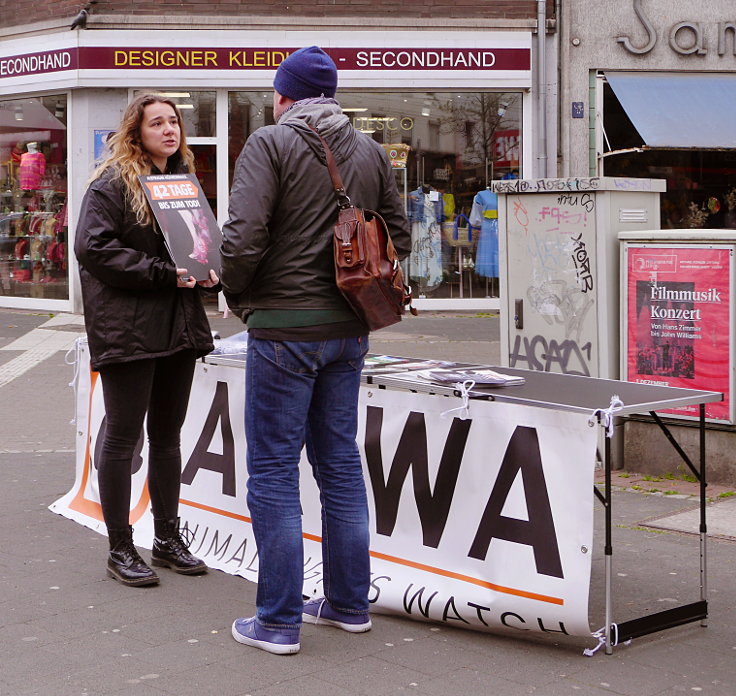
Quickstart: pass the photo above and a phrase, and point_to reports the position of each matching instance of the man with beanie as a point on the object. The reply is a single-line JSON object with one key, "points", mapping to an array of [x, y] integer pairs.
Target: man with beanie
{"points": [[305, 347]]}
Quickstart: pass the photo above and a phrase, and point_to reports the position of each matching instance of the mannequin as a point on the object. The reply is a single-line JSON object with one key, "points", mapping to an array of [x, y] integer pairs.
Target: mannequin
{"points": [[32, 168]]}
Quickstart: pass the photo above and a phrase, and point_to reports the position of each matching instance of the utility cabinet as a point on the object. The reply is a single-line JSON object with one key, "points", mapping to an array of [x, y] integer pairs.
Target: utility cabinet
{"points": [[559, 268]]}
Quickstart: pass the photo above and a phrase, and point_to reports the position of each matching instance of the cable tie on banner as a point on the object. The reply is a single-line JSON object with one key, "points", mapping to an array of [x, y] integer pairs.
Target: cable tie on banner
{"points": [[74, 351], [464, 389], [605, 416]]}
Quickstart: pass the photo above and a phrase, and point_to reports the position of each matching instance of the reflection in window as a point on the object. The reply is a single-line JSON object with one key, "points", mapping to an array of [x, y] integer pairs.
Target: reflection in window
{"points": [[701, 184], [445, 148], [197, 110], [33, 197]]}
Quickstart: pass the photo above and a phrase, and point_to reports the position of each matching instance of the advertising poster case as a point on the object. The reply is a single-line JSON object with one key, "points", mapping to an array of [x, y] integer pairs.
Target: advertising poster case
{"points": [[678, 320]]}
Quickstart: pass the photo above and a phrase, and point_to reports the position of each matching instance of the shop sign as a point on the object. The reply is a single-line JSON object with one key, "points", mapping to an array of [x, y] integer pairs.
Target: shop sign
{"points": [[147, 58], [378, 123], [37, 63], [677, 316], [685, 38]]}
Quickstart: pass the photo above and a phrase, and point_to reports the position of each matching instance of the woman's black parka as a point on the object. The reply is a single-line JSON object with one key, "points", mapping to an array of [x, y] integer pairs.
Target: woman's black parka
{"points": [[133, 308]]}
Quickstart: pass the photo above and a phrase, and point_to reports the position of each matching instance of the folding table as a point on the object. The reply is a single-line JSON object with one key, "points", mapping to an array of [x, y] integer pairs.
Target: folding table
{"points": [[595, 396]]}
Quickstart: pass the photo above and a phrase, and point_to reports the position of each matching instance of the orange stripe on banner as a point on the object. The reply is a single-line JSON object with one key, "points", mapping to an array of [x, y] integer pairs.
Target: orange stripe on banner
{"points": [[217, 511], [403, 561], [467, 578]]}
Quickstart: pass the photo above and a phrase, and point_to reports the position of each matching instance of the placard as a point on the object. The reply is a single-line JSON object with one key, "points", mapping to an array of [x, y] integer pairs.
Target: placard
{"points": [[186, 220], [678, 318]]}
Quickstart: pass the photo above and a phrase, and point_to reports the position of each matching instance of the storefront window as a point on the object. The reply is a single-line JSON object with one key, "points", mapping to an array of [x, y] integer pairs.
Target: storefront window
{"points": [[197, 110], [445, 148], [701, 184], [33, 197]]}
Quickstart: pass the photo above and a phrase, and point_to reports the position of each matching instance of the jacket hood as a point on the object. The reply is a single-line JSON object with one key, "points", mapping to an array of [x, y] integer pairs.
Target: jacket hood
{"points": [[331, 123]]}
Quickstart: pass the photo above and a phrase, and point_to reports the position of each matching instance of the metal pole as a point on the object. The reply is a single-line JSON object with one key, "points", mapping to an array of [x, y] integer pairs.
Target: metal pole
{"points": [[703, 527], [542, 88], [608, 549]]}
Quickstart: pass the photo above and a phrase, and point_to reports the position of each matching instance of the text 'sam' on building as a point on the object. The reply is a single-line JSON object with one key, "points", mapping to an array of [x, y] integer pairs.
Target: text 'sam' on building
{"points": [[453, 91]]}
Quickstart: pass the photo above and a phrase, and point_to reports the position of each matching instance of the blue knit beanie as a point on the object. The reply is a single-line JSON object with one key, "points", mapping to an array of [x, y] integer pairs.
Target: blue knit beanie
{"points": [[308, 72]]}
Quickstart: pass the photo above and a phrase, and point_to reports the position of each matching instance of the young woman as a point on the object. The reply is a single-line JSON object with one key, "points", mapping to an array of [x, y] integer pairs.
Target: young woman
{"points": [[146, 327]]}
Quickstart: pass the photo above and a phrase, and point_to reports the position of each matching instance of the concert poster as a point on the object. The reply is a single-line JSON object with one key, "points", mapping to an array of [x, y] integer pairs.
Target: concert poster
{"points": [[678, 317]]}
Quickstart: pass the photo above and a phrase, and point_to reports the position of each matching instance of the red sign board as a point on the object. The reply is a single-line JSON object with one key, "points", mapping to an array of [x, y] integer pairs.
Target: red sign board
{"points": [[678, 316], [187, 58]]}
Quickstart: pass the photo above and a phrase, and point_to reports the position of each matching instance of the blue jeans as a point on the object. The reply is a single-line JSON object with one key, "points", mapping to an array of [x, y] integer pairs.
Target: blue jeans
{"points": [[296, 393]]}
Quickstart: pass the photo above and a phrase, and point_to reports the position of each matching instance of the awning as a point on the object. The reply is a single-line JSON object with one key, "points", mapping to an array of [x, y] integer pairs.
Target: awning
{"points": [[691, 110]]}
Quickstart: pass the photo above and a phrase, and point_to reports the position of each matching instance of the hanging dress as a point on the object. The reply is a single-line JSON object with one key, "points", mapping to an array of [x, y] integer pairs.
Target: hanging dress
{"points": [[484, 214], [425, 261]]}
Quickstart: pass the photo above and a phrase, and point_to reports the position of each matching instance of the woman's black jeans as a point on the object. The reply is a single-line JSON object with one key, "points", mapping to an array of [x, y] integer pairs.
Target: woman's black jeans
{"points": [[159, 386]]}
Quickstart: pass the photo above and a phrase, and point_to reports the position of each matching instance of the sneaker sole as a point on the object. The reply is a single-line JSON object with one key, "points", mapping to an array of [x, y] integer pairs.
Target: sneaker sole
{"points": [[350, 628], [273, 648]]}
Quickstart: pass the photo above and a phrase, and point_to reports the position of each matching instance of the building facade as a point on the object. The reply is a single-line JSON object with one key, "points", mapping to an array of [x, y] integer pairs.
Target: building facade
{"points": [[648, 90], [457, 94]]}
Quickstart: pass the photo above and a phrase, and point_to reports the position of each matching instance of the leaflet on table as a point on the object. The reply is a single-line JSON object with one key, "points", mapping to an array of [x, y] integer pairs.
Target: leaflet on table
{"points": [[188, 224], [480, 376], [388, 364]]}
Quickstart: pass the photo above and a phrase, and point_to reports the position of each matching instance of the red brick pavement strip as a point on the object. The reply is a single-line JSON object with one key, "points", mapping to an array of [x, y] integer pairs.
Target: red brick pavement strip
{"points": [[659, 485]]}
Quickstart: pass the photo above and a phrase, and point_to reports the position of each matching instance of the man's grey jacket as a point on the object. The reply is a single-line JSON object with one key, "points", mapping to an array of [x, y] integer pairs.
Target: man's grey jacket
{"points": [[277, 244]]}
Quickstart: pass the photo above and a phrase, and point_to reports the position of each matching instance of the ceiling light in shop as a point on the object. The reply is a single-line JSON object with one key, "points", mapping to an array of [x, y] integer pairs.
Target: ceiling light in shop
{"points": [[425, 111], [185, 106], [18, 113], [59, 111], [356, 109]]}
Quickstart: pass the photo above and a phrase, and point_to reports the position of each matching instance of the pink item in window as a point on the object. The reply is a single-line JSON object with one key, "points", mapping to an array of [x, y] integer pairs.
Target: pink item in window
{"points": [[32, 169]]}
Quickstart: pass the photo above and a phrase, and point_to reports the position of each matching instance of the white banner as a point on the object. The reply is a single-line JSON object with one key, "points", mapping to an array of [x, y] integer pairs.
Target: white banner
{"points": [[481, 523]]}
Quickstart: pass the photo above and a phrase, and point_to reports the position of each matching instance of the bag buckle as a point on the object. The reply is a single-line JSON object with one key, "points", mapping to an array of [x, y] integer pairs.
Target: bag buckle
{"points": [[343, 200]]}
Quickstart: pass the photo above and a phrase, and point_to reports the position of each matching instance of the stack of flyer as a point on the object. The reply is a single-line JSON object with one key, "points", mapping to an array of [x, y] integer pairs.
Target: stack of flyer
{"points": [[480, 376]]}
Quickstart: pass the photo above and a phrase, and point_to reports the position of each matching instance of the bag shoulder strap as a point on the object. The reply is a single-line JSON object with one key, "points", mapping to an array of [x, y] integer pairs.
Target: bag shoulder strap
{"points": [[343, 200]]}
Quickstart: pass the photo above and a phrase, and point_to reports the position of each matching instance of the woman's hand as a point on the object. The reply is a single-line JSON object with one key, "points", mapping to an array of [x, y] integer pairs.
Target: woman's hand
{"points": [[211, 281], [183, 279]]}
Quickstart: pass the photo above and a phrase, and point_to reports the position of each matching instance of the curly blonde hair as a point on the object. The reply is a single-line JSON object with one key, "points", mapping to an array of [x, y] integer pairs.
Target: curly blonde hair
{"points": [[129, 160]]}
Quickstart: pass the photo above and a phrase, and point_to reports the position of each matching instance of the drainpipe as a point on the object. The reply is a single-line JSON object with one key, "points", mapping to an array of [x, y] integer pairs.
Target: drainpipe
{"points": [[541, 89]]}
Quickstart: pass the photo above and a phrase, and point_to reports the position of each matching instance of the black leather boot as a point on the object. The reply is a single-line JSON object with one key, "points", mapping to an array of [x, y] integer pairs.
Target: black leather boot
{"points": [[124, 562], [170, 550]]}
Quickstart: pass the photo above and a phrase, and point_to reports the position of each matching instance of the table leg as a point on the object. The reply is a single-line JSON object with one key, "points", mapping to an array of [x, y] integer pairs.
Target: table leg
{"points": [[703, 528], [608, 548]]}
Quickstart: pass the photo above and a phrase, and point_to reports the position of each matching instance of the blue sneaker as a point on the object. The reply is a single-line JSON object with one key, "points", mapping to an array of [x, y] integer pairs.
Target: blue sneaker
{"points": [[283, 641], [318, 611]]}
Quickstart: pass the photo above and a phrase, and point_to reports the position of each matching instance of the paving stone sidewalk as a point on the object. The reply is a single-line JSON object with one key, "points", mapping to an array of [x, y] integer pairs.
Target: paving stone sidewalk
{"points": [[67, 630]]}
